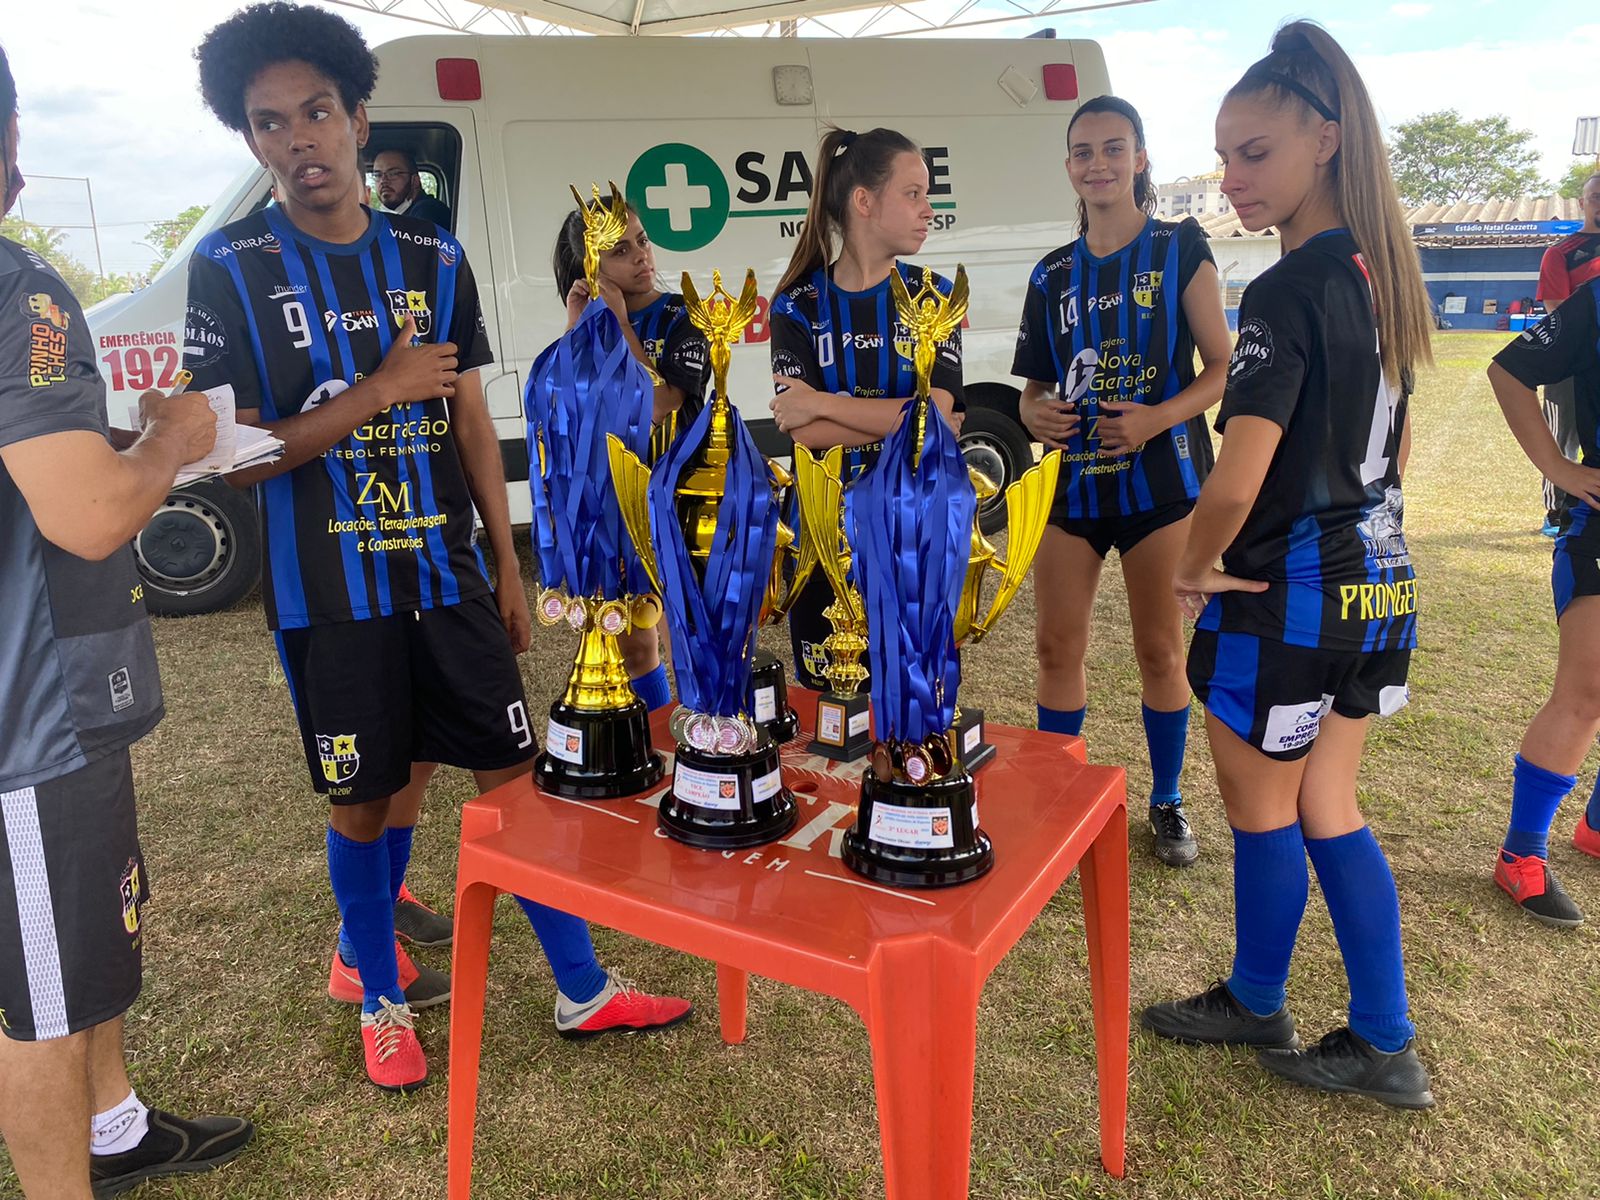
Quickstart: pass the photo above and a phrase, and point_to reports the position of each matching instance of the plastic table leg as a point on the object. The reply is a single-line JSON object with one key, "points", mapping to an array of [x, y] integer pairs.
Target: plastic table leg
{"points": [[922, 1018], [733, 995], [1104, 875], [469, 977]]}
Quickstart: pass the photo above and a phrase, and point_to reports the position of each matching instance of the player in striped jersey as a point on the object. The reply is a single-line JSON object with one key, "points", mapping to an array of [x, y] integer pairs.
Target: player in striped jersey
{"points": [[1107, 346], [1306, 632], [840, 379], [657, 326], [356, 338], [1560, 347]]}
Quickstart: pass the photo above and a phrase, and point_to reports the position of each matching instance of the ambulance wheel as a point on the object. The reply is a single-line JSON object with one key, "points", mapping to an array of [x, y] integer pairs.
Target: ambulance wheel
{"points": [[200, 552], [999, 447]]}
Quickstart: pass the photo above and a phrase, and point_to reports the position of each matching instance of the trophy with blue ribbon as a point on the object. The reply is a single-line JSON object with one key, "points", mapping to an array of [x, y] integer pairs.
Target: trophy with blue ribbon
{"points": [[769, 687], [921, 567], [705, 523], [583, 388]]}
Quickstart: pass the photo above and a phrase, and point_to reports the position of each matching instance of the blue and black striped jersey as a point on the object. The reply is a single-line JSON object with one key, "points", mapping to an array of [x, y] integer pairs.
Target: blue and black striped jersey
{"points": [[679, 354], [1326, 529], [844, 342], [1113, 329], [382, 521]]}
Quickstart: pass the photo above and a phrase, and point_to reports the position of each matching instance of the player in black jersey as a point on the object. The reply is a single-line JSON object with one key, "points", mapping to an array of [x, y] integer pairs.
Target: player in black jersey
{"points": [[356, 338], [656, 325], [1560, 347], [840, 380], [1306, 631], [1107, 346]]}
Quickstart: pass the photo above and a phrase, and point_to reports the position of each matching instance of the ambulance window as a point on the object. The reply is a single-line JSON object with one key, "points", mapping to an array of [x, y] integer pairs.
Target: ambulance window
{"points": [[435, 148]]}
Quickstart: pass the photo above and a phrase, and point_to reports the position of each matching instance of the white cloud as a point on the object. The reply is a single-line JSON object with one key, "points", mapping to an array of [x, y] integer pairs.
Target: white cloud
{"points": [[1410, 12]]}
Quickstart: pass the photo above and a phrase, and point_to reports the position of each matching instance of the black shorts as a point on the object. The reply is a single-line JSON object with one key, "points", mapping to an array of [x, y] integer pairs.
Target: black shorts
{"points": [[72, 896], [1123, 532], [1575, 567], [1274, 695], [372, 697]]}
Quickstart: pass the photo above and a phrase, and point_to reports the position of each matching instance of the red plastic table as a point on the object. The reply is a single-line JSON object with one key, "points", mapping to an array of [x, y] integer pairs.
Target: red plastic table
{"points": [[911, 963]]}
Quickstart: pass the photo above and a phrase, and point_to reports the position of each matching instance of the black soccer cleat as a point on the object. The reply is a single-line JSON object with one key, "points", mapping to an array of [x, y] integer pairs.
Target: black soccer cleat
{"points": [[1174, 840], [418, 924], [1344, 1061], [1215, 1018], [172, 1146]]}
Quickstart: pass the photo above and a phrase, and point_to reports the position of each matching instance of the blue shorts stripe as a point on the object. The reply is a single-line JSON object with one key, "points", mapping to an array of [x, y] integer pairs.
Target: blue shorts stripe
{"points": [[1231, 690]]}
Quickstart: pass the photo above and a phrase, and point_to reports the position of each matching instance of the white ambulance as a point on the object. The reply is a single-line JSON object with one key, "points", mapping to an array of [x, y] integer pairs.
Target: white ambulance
{"points": [[711, 140]]}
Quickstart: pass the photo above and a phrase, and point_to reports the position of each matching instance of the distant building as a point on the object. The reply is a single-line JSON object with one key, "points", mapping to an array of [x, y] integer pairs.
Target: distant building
{"points": [[1198, 197]]}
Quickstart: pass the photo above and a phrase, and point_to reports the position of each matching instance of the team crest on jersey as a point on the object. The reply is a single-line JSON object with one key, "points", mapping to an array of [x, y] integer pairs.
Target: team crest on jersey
{"points": [[129, 886], [338, 756], [814, 658], [1146, 285], [411, 304]]}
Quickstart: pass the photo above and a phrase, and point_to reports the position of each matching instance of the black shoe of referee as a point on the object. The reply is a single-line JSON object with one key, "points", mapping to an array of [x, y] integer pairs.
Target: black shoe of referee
{"points": [[171, 1146], [1344, 1061]]}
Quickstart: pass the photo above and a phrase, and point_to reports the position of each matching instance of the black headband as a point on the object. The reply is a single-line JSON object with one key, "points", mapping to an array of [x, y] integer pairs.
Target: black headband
{"points": [[1263, 74], [847, 138]]}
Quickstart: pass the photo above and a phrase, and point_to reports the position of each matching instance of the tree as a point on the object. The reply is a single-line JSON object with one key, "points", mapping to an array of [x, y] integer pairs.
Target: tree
{"points": [[47, 242], [165, 236], [1571, 185], [1442, 158]]}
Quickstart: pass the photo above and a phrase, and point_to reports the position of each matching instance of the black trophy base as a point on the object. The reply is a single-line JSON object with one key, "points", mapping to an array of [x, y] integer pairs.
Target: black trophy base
{"points": [[844, 727], [598, 755], [972, 745], [727, 802], [769, 700], [918, 837]]}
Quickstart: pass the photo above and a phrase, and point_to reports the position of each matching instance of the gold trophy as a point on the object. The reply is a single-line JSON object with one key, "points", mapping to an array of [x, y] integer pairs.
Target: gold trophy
{"points": [[705, 524], [597, 743], [844, 713], [917, 822]]}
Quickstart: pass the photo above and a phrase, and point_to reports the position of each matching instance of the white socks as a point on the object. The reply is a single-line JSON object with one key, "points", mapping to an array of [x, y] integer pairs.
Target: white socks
{"points": [[120, 1128]]}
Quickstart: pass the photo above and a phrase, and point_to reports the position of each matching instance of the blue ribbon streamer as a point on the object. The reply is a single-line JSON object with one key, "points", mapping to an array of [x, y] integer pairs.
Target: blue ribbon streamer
{"points": [[712, 617], [585, 385], [911, 531]]}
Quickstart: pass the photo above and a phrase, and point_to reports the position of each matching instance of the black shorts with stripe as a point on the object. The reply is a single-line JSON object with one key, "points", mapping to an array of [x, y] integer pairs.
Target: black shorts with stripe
{"points": [[72, 898], [1122, 531], [372, 697], [1274, 695]]}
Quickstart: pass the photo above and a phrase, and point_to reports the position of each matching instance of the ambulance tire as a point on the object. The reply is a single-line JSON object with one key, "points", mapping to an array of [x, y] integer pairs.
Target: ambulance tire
{"points": [[201, 551], [999, 447]]}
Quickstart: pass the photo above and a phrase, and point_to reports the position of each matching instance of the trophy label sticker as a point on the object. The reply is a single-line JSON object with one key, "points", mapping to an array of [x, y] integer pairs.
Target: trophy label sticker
{"points": [[706, 790], [858, 723], [974, 813], [768, 786], [912, 828], [972, 739], [830, 724], [563, 742], [766, 704]]}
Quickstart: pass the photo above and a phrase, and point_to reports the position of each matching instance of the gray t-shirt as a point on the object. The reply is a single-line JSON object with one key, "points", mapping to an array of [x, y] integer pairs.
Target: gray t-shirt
{"points": [[78, 674]]}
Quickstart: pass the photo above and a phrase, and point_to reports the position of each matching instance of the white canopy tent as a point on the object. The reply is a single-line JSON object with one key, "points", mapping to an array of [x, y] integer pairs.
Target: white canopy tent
{"points": [[762, 18]]}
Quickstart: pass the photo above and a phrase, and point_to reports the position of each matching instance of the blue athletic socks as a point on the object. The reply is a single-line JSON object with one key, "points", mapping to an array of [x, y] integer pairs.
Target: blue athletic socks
{"points": [[399, 839], [566, 944], [1167, 736], [1062, 720], [1535, 795], [1592, 813], [1270, 884], [1359, 888], [359, 872], [655, 691]]}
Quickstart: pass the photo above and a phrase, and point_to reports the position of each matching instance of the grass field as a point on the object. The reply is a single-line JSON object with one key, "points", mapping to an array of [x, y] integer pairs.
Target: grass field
{"points": [[234, 1015]]}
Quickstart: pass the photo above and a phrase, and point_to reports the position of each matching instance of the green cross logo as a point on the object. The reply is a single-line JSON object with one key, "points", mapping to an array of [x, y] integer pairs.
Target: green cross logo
{"points": [[680, 194]]}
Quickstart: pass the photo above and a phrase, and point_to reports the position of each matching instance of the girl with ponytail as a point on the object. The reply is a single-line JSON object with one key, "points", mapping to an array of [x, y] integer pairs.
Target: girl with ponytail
{"points": [[1107, 346], [1306, 631], [656, 325], [840, 379]]}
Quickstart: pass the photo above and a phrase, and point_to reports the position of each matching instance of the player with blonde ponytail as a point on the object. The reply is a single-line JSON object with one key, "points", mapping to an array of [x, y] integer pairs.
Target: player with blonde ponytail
{"points": [[1306, 631]]}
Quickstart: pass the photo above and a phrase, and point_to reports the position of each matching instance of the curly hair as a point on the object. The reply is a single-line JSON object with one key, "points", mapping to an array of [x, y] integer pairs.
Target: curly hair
{"points": [[255, 38]]}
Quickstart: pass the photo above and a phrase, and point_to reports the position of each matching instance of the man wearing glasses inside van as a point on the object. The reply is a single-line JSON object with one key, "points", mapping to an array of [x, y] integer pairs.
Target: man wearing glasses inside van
{"points": [[400, 188]]}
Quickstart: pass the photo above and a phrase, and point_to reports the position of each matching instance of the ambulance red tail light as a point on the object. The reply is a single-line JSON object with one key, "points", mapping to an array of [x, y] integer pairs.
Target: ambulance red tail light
{"points": [[1060, 81], [459, 79]]}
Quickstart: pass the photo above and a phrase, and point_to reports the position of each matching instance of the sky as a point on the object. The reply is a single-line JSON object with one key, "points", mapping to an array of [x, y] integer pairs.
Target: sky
{"points": [[107, 90]]}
